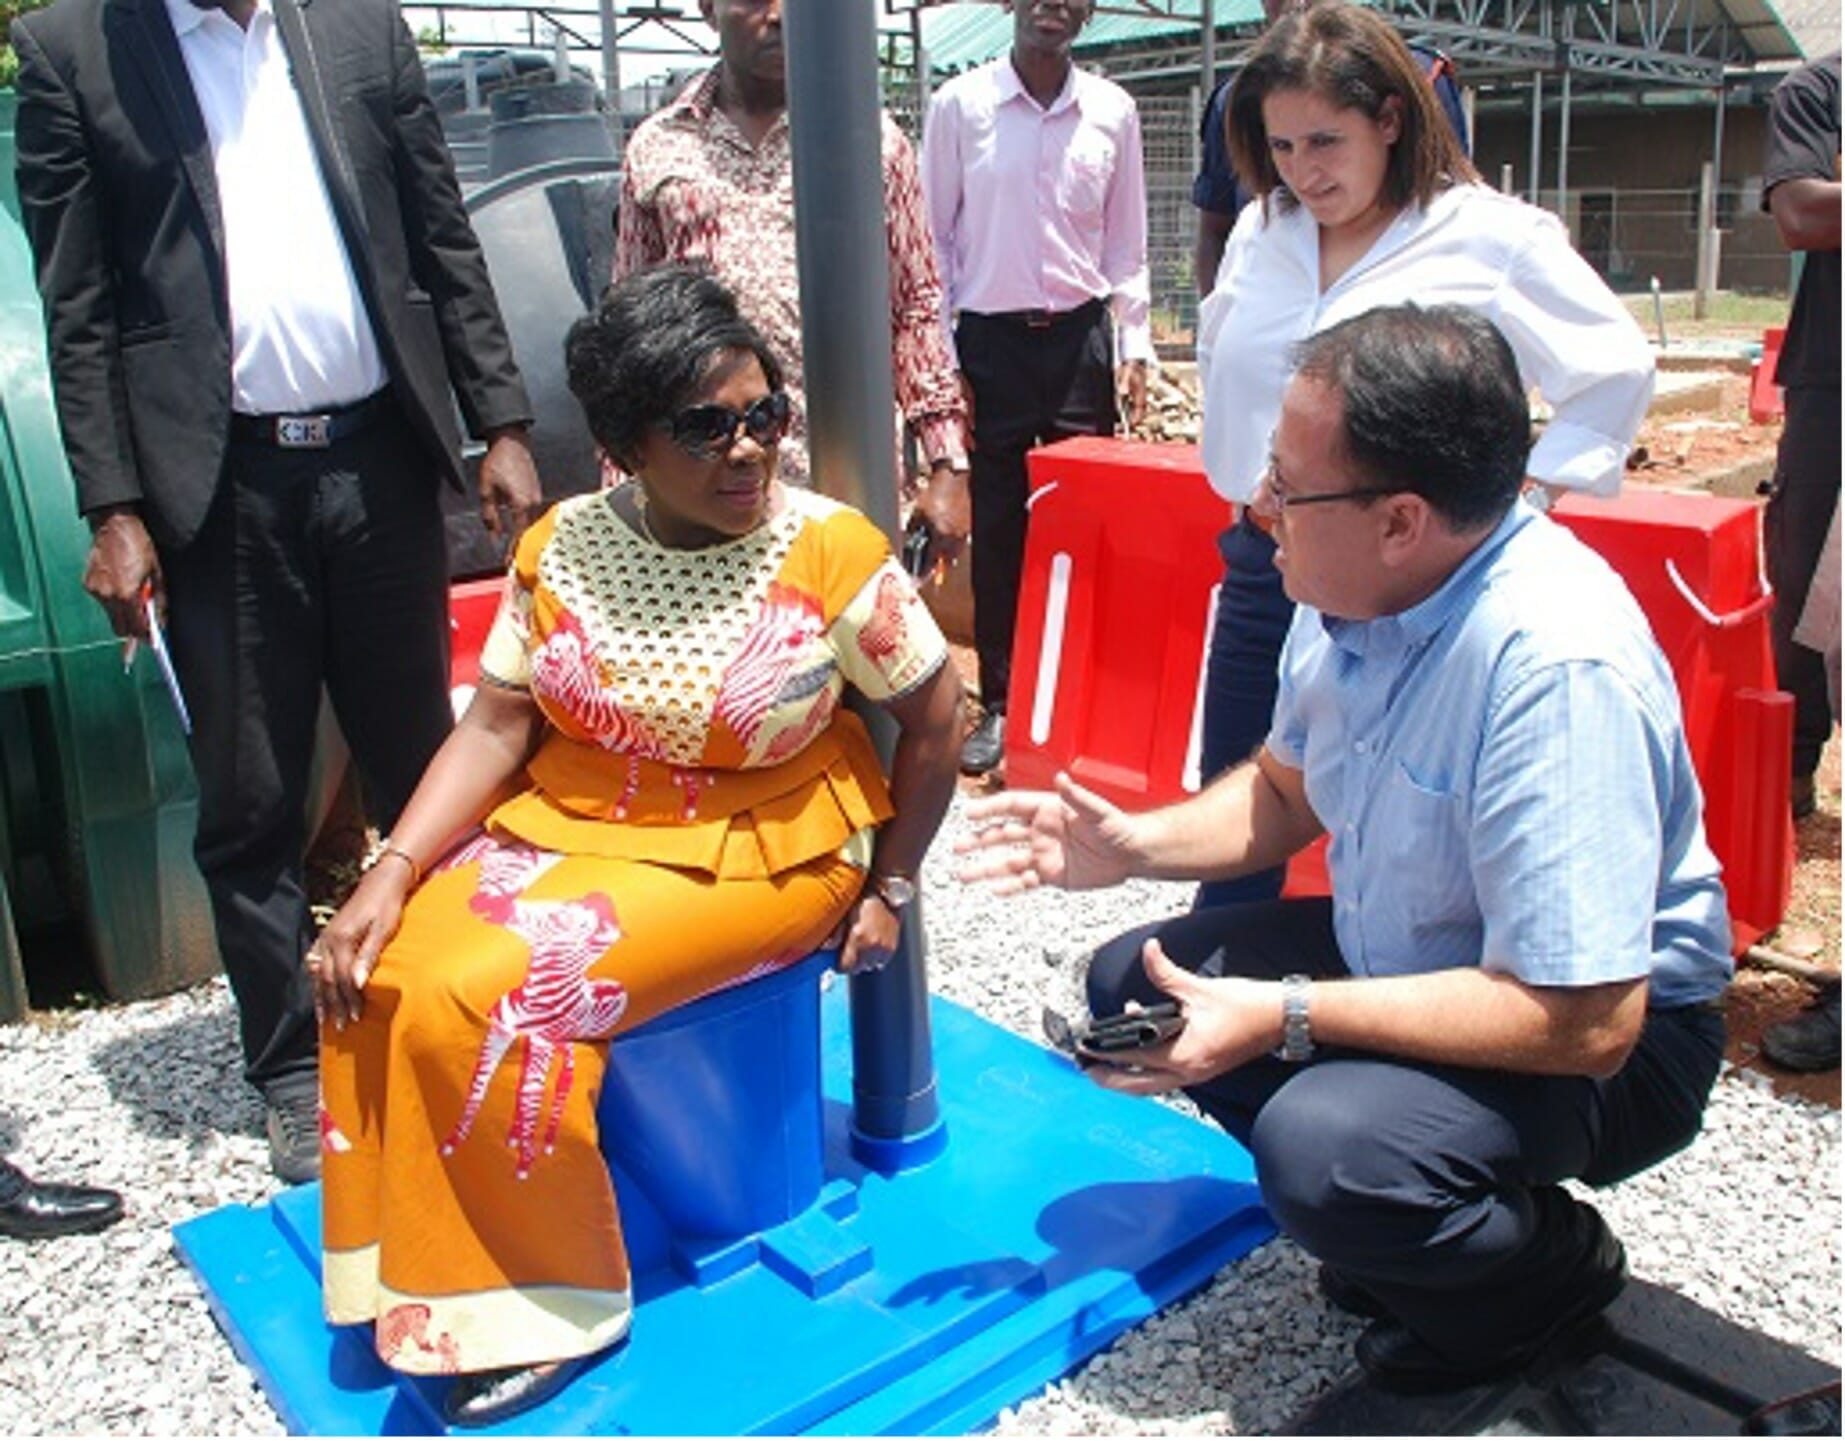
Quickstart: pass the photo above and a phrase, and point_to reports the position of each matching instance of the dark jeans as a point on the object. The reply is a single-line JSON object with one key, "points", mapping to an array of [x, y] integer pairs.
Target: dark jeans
{"points": [[1241, 677], [1436, 1186], [314, 567], [1794, 525], [1032, 385]]}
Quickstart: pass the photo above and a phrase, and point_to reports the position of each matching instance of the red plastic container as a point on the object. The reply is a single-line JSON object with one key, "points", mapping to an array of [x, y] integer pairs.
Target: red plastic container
{"points": [[472, 604], [1766, 402], [1115, 609], [1693, 563]]}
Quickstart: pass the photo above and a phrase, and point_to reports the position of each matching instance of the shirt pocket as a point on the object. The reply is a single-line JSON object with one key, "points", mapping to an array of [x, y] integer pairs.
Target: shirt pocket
{"points": [[1419, 861], [1083, 182]]}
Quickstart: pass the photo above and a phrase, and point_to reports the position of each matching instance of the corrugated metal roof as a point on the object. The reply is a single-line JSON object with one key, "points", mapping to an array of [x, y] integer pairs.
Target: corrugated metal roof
{"points": [[961, 35], [1813, 23], [965, 34]]}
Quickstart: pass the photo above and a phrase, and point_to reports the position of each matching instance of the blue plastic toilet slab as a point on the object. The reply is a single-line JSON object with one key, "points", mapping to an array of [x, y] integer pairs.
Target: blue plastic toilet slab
{"points": [[1057, 1215]]}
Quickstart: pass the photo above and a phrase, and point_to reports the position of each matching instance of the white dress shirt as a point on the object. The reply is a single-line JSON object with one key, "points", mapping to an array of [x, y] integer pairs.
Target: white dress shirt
{"points": [[300, 337], [1039, 208], [1575, 342]]}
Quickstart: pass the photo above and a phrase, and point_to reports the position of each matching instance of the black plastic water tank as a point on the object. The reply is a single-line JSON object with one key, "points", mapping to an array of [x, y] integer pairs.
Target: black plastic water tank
{"points": [[539, 124], [548, 233]]}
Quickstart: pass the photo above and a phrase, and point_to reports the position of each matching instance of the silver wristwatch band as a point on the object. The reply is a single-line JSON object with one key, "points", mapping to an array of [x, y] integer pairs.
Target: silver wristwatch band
{"points": [[1296, 1032]]}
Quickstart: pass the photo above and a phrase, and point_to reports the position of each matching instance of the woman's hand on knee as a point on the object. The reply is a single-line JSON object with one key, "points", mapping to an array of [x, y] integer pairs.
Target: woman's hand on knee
{"points": [[871, 936], [341, 961]]}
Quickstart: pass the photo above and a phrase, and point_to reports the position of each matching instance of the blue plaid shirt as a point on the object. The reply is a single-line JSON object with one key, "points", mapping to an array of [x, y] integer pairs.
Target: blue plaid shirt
{"points": [[1503, 771]]}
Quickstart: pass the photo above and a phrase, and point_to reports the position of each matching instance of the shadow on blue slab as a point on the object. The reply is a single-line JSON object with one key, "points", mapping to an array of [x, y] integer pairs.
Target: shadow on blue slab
{"points": [[1056, 1216]]}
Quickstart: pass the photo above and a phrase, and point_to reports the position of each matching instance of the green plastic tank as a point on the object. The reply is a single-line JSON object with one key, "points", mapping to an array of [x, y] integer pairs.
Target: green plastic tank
{"points": [[97, 797]]}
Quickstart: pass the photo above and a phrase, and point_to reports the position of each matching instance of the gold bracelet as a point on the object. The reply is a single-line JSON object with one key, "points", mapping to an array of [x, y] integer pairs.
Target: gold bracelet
{"points": [[385, 848]]}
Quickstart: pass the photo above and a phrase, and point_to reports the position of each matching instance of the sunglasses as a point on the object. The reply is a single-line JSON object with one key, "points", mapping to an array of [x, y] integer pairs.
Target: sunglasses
{"points": [[706, 432]]}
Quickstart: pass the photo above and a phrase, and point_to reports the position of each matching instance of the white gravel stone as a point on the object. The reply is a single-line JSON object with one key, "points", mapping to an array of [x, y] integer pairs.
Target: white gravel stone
{"points": [[108, 1334]]}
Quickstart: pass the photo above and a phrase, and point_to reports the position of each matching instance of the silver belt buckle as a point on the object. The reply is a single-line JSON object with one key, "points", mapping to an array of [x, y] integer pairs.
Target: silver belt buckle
{"points": [[303, 432]]}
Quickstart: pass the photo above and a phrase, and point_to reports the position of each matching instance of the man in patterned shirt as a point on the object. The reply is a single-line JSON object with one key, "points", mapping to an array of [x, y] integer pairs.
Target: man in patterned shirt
{"points": [[710, 180]]}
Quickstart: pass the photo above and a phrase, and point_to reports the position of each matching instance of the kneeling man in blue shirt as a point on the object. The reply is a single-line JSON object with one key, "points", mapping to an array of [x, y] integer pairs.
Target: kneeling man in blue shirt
{"points": [[1514, 982]]}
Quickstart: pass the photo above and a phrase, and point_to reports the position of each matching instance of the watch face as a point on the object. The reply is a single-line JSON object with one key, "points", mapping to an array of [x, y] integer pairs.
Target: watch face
{"points": [[897, 891]]}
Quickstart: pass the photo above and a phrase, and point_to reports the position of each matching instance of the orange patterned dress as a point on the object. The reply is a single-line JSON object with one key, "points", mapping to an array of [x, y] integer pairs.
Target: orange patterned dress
{"points": [[699, 812]]}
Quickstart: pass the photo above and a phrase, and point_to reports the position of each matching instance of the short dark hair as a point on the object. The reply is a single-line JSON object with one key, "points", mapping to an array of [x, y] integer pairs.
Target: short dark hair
{"points": [[1351, 57], [1431, 402], [642, 353]]}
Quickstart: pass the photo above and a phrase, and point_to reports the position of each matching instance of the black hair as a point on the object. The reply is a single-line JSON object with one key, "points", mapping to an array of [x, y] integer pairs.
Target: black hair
{"points": [[1431, 402], [1351, 57], [642, 354]]}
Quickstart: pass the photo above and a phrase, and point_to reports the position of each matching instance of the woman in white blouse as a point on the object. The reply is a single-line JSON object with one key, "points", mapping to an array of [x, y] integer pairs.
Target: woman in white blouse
{"points": [[1365, 199]]}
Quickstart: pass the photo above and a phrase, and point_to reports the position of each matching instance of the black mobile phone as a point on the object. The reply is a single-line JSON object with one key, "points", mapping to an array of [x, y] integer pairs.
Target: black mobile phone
{"points": [[1108, 1035]]}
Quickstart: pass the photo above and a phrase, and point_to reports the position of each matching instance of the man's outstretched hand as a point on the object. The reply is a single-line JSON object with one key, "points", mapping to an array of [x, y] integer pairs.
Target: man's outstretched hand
{"points": [[1070, 838]]}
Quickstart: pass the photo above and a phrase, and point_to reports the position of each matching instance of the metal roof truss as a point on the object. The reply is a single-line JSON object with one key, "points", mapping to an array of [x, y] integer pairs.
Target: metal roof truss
{"points": [[1599, 42]]}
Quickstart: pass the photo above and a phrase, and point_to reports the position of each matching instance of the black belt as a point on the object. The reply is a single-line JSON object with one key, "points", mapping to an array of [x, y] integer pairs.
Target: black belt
{"points": [[315, 430], [1712, 1007], [1044, 319]]}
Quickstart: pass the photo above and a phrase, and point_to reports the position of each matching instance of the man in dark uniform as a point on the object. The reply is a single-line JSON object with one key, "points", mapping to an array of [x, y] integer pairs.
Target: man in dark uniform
{"points": [[1800, 188]]}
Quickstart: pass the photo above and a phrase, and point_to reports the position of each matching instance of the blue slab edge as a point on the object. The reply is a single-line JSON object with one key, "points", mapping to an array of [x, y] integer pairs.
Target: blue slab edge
{"points": [[1056, 1216]]}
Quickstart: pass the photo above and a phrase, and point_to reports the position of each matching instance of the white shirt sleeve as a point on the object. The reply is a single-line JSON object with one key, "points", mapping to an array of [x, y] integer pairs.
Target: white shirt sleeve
{"points": [[941, 183], [1237, 414], [1579, 345], [1124, 245]]}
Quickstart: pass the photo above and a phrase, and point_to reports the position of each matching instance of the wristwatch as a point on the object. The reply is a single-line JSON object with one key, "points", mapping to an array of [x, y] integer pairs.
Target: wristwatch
{"points": [[1296, 1033], [896, 892]]}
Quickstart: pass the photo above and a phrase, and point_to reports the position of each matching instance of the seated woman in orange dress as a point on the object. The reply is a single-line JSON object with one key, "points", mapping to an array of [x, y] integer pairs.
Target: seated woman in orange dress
{"points": [[655, 793]]}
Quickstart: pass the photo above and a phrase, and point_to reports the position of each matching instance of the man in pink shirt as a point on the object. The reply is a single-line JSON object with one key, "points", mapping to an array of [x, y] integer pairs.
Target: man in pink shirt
{"points": [[1032, 172], [709, 180]]}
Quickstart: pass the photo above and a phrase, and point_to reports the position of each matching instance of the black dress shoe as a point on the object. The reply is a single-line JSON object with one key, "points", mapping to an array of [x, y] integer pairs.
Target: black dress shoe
{"points": [[985, 744], [486, 1398], [34, 1210], [1396, 1359], [1349, 1294], [1810, 1041]]}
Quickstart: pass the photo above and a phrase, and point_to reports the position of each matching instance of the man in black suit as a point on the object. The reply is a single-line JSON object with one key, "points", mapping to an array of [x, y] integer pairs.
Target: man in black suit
{"points": [[260, 287]]}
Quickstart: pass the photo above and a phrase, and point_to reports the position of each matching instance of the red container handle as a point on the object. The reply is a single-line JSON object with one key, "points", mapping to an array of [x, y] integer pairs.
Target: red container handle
{"points": [[1735, 618]]}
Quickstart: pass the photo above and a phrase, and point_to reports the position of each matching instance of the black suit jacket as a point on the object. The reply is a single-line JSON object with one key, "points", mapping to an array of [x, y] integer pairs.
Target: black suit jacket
{"points": [[120, 199]]}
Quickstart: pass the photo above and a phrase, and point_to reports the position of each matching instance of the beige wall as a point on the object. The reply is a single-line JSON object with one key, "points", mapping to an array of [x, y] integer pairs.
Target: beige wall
{"points": [[1633, 179]]}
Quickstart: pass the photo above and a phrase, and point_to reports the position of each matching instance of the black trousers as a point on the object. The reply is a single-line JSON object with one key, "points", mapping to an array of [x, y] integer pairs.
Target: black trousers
{"points": [[314, 567], [1032, 384], [1794, 525], [1436, 1186]]}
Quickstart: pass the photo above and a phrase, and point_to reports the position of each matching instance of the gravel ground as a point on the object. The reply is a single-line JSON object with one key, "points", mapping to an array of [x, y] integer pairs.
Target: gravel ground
{"points": [[109, 1334]]}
